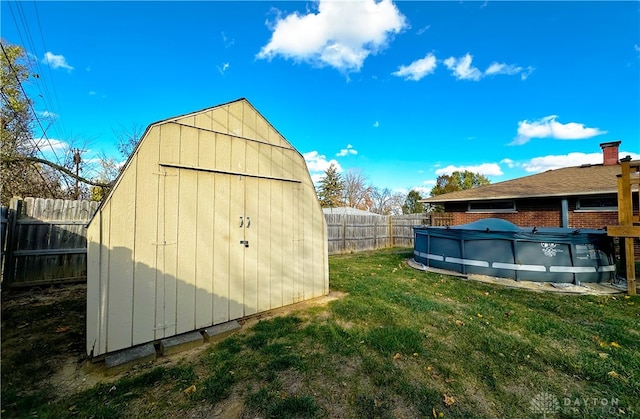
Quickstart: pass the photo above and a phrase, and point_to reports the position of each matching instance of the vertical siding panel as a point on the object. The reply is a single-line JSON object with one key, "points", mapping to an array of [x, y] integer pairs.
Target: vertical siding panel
{"points": [[166, 317], [238, 155], [275, 138], [252, 158], [289, 228], [189, 149], [94, 249], [187, 227], [104, 276], [223, 152], [204, 250], [276, 162], [203, 120], [236, 250], [220, 119], [262, 129], [170, 143], [307, 222], [221, 231], [120, 309], [277, 244], [235, 119], [249, 120], [207, 150], [253, 219], [146, 227], [264, 245]]}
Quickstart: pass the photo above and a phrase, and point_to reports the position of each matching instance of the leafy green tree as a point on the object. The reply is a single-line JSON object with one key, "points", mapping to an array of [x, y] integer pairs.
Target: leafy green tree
{"points": [[19, 177], [331, 188], [458, 181], [412, 204]]}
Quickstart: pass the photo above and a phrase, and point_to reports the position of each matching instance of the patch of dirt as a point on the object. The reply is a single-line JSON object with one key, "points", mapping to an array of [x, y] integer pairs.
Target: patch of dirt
{"points": [[43, 340]]}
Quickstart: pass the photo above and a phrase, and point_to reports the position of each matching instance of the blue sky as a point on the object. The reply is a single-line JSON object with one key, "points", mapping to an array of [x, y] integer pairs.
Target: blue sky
{"points": [[402, 91]]}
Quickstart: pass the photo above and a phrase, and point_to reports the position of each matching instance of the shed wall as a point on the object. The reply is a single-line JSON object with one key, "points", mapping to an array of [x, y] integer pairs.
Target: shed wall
{"points": [[166, 253]]}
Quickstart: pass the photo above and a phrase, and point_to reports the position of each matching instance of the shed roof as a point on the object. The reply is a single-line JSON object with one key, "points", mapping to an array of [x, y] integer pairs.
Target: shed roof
{"points": [[582, 180]]}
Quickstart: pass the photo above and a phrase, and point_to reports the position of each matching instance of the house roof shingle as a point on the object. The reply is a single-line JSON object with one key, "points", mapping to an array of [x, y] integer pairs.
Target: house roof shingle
{"points": [[569, 181]]}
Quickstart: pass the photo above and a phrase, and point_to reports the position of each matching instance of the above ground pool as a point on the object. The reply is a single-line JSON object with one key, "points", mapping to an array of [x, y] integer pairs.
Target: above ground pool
{"points": [[499, 248]]}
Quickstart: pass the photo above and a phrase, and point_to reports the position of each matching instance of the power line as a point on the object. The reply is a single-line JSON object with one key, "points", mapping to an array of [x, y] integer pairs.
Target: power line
{"points": [[40, 82], [44, 133]]}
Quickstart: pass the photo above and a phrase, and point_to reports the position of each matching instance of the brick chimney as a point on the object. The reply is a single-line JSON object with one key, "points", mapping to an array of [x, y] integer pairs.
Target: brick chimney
{"points": [[610, 153]]}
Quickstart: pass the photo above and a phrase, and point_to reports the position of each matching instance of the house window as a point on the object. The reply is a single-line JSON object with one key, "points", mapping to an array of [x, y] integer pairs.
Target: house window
{"points": [[492, 206], [599, 203]]}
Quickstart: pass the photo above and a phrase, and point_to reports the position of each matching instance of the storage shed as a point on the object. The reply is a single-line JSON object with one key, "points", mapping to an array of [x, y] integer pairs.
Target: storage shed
{"points": [[213, 218]]}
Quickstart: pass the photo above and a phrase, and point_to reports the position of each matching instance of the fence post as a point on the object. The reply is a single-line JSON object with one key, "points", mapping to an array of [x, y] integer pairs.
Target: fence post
{"points": [[391, 242], [15, 207]]}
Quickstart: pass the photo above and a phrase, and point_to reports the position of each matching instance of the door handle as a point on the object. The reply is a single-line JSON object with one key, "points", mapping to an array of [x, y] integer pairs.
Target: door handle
{"points": [[245, 242], [241, 221], [248, 222]]}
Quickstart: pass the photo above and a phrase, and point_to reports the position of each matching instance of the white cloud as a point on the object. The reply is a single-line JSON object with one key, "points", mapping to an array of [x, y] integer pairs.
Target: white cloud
{"points": [[376, 124], [549, 127], [50, 145], [47, 114], [423, 190], [488, 169], [542, 164], [508, 69], [636, 47], [423, 30], [510, 163], [92, 93], [342, 34], [56, 61], [347, 151], [223, 68], [227, 41], [462, 68], [317, 162], [418, 69]]}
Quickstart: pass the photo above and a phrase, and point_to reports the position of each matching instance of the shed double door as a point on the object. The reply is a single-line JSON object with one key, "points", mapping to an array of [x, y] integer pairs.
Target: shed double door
{"points": [[230, 248]]}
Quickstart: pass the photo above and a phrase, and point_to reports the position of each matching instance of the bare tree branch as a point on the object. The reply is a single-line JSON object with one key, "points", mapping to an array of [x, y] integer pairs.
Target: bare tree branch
{"points": [[62, 169]]}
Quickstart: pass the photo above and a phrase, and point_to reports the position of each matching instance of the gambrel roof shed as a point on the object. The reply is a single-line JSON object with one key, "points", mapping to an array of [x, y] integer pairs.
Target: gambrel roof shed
{"points": [[213, 218]]}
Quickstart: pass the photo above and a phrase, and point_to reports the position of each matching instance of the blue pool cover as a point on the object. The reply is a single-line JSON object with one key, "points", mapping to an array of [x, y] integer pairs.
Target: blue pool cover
{"points": [[499, 248]]}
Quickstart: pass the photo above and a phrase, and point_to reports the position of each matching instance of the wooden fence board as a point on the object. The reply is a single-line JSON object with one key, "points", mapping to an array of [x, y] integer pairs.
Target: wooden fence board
{"points": [[45, 241], [356, 232]]}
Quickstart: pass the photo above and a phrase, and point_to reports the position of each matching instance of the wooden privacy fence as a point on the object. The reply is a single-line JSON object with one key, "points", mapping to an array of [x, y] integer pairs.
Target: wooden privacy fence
{"points": [[355, 232], [44, 241]]}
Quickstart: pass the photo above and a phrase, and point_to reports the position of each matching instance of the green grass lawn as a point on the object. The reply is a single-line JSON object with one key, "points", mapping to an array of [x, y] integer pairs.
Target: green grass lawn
{"points": [[401, 343]]}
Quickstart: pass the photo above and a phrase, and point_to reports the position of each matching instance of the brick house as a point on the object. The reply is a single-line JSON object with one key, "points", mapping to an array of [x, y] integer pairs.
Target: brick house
{"points": [[571, 197]]}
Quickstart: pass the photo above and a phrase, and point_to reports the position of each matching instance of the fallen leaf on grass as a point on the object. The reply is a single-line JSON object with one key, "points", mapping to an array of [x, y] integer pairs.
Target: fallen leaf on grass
{"points": [[398, 355], [191, 389], [449, 400], [603, 355], [63, 329], [615, 344], [479, 315], [459, 323], [613, 374]]}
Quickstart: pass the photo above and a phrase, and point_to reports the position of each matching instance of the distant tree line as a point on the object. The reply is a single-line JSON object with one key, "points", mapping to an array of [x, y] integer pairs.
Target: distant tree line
{"points": [[351, 190]]}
